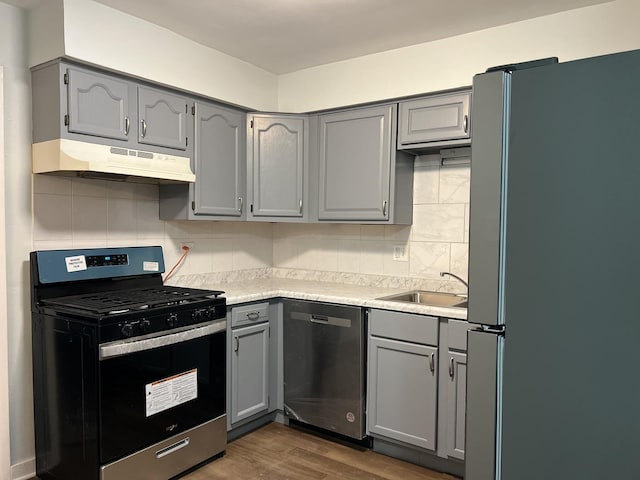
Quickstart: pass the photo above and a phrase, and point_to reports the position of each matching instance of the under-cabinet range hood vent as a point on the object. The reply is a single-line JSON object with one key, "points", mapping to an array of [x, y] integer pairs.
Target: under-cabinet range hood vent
{"points": [[90, 160]]}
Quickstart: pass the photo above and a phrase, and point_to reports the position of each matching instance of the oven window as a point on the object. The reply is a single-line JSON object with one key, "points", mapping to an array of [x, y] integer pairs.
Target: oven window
{"points": [[186, 382]]}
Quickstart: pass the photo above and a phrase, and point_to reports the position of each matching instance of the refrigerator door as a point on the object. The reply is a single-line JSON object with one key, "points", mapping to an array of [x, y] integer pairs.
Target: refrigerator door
{"points": [[571, 382], [490, 120], [484, 384]]}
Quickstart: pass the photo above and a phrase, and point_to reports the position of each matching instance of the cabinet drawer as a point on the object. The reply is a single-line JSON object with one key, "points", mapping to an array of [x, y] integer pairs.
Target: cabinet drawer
{"points": [[432, 119], [458, 334], [248, 314], [404, 326]]}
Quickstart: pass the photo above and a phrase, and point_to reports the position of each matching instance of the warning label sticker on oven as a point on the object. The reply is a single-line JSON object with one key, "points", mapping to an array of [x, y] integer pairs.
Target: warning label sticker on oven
{"points": [[150, 266], [75, 264], [170, 392]]}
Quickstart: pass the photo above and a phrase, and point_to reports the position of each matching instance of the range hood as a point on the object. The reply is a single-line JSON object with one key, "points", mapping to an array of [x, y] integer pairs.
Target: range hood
{"points": [[91, 160]]}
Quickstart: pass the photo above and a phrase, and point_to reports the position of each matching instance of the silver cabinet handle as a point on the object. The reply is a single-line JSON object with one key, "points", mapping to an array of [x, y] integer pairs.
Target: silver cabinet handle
{"points": [[300, 205], [451, 371], [127, 125], [143, 126], [465, 123], [240, 207], [237, 345], [253, 315], [432, 363], [384, 208]]}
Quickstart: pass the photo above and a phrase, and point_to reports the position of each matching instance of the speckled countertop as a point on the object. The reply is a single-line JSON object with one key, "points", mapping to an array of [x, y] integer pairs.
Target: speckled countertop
{"points": [[330, 292]]}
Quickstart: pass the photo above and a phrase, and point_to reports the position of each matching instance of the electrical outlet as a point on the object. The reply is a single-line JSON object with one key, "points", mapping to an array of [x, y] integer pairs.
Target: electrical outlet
{"points": [[401, 253]]}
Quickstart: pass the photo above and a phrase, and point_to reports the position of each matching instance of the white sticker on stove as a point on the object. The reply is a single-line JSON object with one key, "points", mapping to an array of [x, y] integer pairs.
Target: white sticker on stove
{"points": [[150, 266], [170, 392], [75, 264]]}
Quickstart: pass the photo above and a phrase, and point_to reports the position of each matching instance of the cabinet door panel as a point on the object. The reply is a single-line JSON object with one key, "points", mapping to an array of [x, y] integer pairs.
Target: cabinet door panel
{"points": [[249, 371], [278, 164], [437, 118], [355, 163], [219, 157], [403, 391], [163, 119], [98, 104], [456, 404]]}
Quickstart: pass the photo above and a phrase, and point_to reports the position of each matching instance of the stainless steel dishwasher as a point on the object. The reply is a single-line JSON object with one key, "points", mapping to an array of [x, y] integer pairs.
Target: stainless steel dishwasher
{"points": [[324, 366]]}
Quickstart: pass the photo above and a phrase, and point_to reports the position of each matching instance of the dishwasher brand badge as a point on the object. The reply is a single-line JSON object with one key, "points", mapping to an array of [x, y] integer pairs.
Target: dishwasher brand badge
{"points": [[351, 417], [172, 391]]}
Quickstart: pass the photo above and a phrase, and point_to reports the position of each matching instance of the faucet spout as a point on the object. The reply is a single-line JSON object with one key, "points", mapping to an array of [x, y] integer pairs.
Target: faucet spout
{"points": [[442, 274]]}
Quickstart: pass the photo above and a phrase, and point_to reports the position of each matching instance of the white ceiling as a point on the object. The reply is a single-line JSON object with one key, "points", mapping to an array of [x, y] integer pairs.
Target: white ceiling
{"points": [[283, 36]]}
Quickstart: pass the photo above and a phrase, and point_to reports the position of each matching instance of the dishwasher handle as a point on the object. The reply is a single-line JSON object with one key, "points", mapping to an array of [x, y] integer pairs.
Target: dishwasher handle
{"points": [[321, 319]]}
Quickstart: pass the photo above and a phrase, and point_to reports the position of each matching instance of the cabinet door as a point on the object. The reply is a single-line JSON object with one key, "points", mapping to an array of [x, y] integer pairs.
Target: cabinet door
{"points": [[456, 404], [249, 371], [219, 160], [355, 164], [163, 118], [278, 166], [98, 104], [402, 391], [437, 118]]}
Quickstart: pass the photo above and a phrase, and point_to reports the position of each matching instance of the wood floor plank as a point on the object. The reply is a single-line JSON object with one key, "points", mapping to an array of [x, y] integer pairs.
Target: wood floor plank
{"points": [[278, 452]]}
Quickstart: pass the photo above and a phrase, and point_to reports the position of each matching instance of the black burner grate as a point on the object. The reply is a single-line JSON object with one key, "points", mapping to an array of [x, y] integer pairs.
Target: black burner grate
{"points": [[135, 299]]}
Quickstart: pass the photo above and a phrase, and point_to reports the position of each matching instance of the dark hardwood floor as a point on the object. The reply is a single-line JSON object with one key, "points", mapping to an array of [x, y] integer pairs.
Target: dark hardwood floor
{"points": [[278, 452]]}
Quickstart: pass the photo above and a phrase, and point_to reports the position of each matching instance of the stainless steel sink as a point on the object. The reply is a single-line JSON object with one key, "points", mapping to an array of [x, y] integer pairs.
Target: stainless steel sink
{"points": [[434, 299]]}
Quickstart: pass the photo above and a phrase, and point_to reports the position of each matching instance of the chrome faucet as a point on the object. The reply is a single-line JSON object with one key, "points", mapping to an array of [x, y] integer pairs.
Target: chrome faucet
{"points": [[442, 274]]}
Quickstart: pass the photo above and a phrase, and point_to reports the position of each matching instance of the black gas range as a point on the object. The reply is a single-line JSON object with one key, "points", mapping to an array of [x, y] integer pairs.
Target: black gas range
{"points": [[129, 374]]}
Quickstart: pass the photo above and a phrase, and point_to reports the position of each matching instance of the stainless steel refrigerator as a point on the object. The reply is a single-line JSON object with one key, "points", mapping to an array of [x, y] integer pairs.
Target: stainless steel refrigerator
{"points": [[553, 382]]}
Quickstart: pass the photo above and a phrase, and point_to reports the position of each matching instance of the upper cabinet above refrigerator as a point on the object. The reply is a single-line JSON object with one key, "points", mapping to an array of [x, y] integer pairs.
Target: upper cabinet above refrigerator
{"points": [[435, 122]]}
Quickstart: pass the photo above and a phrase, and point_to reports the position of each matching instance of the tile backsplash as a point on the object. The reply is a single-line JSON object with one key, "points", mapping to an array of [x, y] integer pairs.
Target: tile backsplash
{"points": [[77, 213]]}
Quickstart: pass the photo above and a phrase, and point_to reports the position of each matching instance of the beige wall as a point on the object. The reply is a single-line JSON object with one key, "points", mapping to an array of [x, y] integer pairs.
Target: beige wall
{"points": [[451, 63]]}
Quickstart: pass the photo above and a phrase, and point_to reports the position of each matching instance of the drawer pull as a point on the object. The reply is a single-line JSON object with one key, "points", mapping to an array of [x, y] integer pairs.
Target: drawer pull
{"points": [[253, 315]]}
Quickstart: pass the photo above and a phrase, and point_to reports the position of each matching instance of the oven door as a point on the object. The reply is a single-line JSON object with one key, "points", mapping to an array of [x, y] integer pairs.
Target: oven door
{"points": [[153, 388]]}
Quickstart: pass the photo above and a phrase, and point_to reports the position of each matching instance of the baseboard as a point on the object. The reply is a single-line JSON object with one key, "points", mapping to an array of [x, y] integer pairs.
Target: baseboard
{"points": [[25, 470]]}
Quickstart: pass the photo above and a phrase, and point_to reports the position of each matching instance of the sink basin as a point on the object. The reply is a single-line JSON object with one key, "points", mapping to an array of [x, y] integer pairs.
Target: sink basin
{"points": [[434, 299]]}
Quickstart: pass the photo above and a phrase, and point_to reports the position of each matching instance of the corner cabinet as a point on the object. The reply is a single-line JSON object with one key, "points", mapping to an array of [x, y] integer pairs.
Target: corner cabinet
{"points": [[361, 176], [402, 390], [219, 164], [277, 166], [436, 121]]}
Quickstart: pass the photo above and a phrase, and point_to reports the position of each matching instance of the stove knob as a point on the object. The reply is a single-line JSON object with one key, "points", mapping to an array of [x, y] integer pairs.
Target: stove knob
{"points": [[172, 320], [145, 325], [197, 316], [211, 313], [127, 330]]}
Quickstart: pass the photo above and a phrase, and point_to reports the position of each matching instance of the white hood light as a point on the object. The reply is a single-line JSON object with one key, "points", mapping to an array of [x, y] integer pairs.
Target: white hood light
{"points": [[70, 157]]}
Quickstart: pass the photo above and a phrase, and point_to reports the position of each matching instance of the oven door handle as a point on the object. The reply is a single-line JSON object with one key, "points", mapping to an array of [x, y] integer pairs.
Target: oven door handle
{"points": [[125, 347]]}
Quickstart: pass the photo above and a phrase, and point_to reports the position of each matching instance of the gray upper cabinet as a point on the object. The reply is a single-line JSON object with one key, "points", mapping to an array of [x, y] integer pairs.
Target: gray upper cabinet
{"points": [[97, 104], [220, 166], [277, 162], [435, 121], [219, 160], [163, 118], [360, 177]]}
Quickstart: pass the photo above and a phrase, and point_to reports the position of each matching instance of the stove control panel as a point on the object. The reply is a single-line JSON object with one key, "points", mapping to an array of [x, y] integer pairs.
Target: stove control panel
{"points": [[107, 260]]}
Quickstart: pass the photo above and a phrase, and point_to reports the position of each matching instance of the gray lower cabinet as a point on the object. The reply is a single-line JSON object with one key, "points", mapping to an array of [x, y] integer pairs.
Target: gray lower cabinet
{"points": [[435, 121], [249, 371], [452, 388], [163, 118], [277, 165], [361, 177], [402, 388], [219, 164]]}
